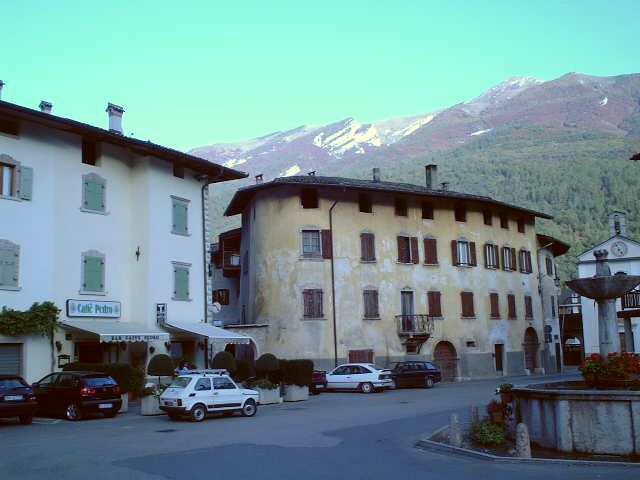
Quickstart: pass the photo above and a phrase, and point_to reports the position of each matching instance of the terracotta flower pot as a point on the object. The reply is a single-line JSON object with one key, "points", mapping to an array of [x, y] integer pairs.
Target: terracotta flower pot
{"points": [[496, 417]]}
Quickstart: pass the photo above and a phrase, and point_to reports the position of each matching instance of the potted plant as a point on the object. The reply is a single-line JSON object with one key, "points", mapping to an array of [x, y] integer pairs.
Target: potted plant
{"points": [[159, 366], [614, 372], [150, 404], [496, 412], [504, 390], [269, 391], [296, 378], [225, 361]]}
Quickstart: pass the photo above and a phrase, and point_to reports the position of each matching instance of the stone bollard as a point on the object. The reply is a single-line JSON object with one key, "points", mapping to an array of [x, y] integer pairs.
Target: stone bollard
{"points": [[455, 431], [523, 444], [474, 416]]}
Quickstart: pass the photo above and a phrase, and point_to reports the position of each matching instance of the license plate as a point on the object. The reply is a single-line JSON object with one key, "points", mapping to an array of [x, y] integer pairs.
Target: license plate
{"points": [[14, 397], [105, 405]]}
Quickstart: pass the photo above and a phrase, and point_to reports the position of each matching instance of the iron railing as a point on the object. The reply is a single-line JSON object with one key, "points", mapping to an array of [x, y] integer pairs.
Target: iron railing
{"points": [[631, 299], [414, 324]]}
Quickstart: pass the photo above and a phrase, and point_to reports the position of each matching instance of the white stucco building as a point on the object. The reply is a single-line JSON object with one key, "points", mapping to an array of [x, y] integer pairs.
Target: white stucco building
{"points": [[623, 258], [107, 227]]}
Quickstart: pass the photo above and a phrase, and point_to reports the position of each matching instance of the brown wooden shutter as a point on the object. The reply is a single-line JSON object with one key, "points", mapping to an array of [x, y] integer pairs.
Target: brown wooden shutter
{"points": [[472, 254], [495, 305], [511, 302], [327, 250], [415, 254], [365, 253], [317, 303], [454, 252], [401, 249], [530, 265], [486, 257], [467, 304], [528, 306], [433, 301], [430, 251], [504, 265], [307, 296]]}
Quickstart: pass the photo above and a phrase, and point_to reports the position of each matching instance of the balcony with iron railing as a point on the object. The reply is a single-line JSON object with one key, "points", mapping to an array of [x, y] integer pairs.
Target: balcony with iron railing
{"points": [[412, 325], [631, 299]]}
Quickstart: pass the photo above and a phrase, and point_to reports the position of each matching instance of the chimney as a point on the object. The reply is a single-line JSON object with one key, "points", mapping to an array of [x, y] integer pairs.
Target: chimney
{"points": [[1, 85], [431, 176], [259, 178], [115, 118], [444, 186], [312, 173], [376, 174], [45, 107]]}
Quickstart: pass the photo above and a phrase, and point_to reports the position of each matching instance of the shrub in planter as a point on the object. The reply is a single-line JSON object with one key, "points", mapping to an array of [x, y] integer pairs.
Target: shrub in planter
{"points": [[488, 433], [243, 370], [504, 390], [268, 366], [160, 365], [224, 360], [269, 391], [296, 376]]}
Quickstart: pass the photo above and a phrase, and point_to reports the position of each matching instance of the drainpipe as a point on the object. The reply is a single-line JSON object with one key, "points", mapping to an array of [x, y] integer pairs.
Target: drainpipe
{"points": [[205, 241], [333, 288]]}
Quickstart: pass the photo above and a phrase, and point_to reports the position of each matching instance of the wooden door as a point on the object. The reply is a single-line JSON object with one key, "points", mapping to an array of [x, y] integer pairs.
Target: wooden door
{"points": [[445, 357], [530, 349], [499, 354]]}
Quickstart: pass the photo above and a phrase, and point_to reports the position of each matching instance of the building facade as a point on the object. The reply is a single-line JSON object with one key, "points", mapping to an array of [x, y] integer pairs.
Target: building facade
{"points": [[112, 230], [623, 258], [337, 269]]}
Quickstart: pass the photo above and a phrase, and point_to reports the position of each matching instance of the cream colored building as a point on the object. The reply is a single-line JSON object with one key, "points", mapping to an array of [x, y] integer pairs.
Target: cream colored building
{"points": [[334, 269]]}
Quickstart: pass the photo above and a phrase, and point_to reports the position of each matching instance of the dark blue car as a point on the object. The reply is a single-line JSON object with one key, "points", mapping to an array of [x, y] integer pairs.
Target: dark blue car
{"points": [[16, 399]]}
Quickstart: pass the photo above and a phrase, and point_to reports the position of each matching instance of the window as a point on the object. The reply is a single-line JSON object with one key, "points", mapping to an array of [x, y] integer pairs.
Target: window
{"points": [[400, 207], [494, 305], [93, 264], [521, 225], [463, 253], [180, 281], [178, 171], [408, 249], [312, 303], [370, 298], [491, 255], [180, 216], [466, 299], [430, 251], [508, 259], [93, 193], [504, 221], [427, 210], [460, 213], [511, 306], [223, 383], [367, 247], [433, 304], [7, 176], [9, 265], [202, 385], [364, 203], [221, 296], [89, 152], [9, 126], [549, 265], [553, 306], [316, 243], [525, 261], [488, 217], [15, 180], [309, 198], [528, 306]]}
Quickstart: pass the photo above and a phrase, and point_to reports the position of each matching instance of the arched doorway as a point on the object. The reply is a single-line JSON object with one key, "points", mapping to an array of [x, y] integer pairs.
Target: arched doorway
{"points": [[530, 349], [445, 357]]}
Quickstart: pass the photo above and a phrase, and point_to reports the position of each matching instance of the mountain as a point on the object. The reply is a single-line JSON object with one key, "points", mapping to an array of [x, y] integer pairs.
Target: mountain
{"points": [[560, 146]]}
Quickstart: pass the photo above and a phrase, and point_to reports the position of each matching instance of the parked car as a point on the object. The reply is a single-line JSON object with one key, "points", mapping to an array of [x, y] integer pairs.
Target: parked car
{"points": [[365, 377], [200, 393], [78, 394], [318, 382], [16, 399], [416, 374]]}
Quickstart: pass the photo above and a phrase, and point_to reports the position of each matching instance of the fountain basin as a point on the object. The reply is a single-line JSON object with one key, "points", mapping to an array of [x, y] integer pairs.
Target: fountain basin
{"points": [[568, 417], [604, 288]]}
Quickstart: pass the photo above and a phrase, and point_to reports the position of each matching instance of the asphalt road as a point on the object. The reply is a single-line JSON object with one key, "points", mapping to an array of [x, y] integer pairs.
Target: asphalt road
{"points": [[333, 435]]}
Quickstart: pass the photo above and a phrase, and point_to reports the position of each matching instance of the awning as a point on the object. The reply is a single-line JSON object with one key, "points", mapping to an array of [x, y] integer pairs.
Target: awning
{"points": [[115, 331], [214, 334]]}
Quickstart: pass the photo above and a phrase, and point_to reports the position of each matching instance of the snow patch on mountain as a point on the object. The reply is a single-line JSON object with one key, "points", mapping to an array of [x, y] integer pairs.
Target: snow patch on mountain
{"points": [[289, 172], [604, 101], [351, 137], [499, 94], [234, 162], [480, 132]]}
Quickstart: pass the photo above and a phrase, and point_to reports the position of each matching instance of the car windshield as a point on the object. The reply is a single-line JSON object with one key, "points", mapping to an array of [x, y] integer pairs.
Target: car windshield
{"points": [[180, 382], [95, 382], [6, 383]]}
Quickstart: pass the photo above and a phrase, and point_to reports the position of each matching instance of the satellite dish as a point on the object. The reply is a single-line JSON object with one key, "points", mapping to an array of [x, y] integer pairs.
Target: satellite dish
{"points": [[216, 307]]}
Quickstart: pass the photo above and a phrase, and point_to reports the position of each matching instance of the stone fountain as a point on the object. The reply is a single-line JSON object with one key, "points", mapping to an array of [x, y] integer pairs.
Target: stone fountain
{"points": [[605, 288]]}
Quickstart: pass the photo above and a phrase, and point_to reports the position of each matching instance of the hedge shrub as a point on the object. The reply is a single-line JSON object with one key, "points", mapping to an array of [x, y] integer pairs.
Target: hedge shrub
{"points": [[129, 379], [488, 433], [243, 370], [268, 366], [296, 372], [160, 365], [224, 360]]}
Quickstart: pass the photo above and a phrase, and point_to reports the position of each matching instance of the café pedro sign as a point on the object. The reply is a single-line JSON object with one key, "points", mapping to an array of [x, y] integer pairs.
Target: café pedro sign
{"points": [[91, 308]]}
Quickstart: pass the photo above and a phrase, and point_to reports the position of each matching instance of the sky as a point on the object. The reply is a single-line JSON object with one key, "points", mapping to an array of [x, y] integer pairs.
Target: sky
{"points": [[193, 73]]}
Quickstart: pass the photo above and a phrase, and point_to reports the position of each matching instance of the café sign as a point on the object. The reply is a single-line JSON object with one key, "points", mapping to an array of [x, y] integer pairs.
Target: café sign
{"points": [[92, 308]]}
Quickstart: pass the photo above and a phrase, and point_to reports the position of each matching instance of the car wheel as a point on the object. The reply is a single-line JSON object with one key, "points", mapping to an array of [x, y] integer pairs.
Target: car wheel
{"points": [[198, 413], [73, 412], [110, 413], [428, 382], [249, 408], [174, 416], [366, 387], [25, 419]]}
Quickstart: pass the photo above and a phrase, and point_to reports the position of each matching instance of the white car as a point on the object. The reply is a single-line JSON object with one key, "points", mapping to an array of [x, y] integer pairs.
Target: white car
{"points": [[365, 377], [200, 392]]}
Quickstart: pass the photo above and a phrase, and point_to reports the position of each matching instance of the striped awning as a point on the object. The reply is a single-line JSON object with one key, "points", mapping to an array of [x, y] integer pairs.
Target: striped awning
{"points": [[116, 331], [214, 334]]}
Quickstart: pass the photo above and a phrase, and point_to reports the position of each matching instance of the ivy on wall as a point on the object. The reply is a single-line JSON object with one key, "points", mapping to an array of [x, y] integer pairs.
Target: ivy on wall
{"points": [[41, 318]]}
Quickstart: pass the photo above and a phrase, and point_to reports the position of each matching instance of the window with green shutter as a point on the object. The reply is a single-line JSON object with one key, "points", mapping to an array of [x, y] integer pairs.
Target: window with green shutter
{"points": [[180, 282], [93, 272], [9, 264], [93, 193], [25, 189], [180, 209]]}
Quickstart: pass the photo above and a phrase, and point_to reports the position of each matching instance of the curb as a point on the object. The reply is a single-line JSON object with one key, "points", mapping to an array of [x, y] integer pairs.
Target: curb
{"points": [[428, 444]]}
